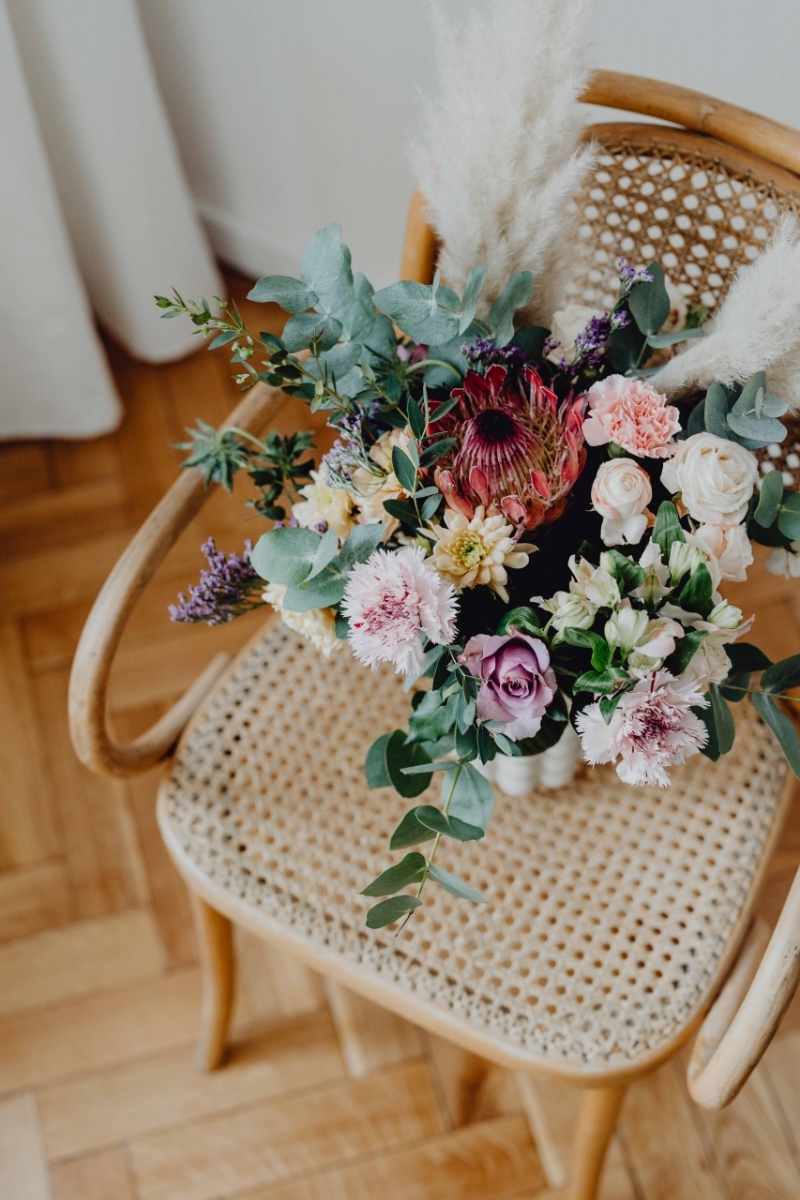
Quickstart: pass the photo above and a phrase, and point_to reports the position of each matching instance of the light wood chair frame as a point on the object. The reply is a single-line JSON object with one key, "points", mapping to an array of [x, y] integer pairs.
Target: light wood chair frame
{"points": [[751, 1001]]}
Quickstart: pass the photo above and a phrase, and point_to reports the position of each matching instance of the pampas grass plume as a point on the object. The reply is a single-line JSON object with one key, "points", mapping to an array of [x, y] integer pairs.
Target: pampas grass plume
{"points": [[499, 163]]}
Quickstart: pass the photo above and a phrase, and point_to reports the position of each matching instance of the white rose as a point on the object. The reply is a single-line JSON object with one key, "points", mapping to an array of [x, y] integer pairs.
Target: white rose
{"points": [[566, 324], [621, 493], [715, 478], [730, 547]]}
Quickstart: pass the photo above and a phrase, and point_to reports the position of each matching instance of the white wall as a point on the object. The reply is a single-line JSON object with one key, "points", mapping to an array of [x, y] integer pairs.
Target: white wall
{"points": [[291, 115]]}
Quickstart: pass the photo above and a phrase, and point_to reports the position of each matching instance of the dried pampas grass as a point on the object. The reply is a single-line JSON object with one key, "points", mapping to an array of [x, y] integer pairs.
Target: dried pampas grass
{"points": [[499, 164], [757, 328]]}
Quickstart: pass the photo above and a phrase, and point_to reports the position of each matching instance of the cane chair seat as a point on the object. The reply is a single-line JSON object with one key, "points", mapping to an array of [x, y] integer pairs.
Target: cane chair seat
{"points": [[612, 911]]}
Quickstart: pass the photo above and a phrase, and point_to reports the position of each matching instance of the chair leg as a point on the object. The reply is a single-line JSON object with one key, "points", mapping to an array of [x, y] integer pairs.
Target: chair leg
{"points": [[597, 1120], [215, 937]]}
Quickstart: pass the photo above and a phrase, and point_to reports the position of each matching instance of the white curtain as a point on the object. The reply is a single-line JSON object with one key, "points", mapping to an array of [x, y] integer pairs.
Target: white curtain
{"points": [[94, 211]]}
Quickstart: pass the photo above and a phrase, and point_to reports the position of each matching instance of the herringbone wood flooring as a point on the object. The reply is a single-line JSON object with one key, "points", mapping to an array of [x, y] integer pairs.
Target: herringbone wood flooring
{"points": [[325, 1097]]}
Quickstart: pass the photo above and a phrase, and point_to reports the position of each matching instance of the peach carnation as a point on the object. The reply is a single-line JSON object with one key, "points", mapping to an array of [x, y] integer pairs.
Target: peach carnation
{"points": [[633, 414]]}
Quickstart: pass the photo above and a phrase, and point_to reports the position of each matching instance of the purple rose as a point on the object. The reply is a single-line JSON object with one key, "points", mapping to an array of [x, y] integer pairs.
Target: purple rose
{"points": [[518, 682]]}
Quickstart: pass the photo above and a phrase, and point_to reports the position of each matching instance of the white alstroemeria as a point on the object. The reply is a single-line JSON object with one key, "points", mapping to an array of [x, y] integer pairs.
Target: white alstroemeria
{"points": [[595, 584], [709, 664], [725, 621], [624, 628], [644, 641], [785, 561], [570, 611], [656, 576], [685, 557]]}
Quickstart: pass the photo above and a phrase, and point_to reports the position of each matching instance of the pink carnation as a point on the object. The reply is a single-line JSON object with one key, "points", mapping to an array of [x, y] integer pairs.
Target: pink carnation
{"points": [[634, 415], [390, 601], [652, 728]]}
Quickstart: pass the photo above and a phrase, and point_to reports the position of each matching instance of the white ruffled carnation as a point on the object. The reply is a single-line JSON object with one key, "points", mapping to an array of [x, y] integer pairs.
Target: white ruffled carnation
{"points": [[318, 625]]}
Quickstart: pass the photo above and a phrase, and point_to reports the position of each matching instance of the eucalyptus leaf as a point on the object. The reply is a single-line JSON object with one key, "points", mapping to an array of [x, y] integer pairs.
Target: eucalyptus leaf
{"points": [[469, 301], [285, 555], [446, 825], [324, 591], [292, 295], [782, 676], [472, 798], [457, 887], [375, 763], [301, 330], [400, 754], [725, 728], [359, 319], [716, 411], [410, 832], [770, 499], [409, 305], [660, 340], [391, 910], [359, 545], [649, 303], [761, 430], [789, 516], [782, 727], [326, 552], [410, 870], [326, 268], [516, 294]]}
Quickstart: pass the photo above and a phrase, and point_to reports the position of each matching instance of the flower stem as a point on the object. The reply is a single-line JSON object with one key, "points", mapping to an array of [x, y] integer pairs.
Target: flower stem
{"points": [[434, 848]]}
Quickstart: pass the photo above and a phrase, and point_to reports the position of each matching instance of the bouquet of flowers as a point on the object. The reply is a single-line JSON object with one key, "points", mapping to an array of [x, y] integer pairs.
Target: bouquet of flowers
{"points": [[521, 520]]}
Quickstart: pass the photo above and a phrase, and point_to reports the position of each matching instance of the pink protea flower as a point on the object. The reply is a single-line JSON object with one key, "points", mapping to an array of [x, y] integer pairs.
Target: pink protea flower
{"points": [[390, 601], [633, 414], [520, 451], [652, 728]]}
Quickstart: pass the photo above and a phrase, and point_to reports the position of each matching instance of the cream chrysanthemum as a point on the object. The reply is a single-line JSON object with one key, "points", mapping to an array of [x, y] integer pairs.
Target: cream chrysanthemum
{"points": [[318, 625], [323, 503], [370, 490], [477, 551]]}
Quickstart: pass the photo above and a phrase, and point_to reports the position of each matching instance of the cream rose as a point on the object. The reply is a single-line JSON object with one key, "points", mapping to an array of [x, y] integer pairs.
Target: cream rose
{"points": [[730, 547], [715, 478], [621, 493], [566, 324]]}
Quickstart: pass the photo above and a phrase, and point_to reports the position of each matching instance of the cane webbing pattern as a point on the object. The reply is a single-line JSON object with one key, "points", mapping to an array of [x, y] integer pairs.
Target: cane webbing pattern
{"points": [[609, 907], [653, 198]]}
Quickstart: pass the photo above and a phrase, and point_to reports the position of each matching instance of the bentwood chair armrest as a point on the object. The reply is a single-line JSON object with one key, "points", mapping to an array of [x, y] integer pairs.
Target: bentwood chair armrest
{"points": [[744, 1017], [106, 623], [778, 143]]}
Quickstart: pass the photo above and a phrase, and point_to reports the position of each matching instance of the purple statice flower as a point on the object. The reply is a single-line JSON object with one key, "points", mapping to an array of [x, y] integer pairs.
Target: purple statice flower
{"points": [[551, 344], [483, 352], [292, 523], [590, 344], [226, 589], [630, 275]]}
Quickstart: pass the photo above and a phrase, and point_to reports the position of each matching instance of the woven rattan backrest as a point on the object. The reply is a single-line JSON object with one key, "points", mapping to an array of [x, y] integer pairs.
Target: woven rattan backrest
{"points": [[700, 207]]}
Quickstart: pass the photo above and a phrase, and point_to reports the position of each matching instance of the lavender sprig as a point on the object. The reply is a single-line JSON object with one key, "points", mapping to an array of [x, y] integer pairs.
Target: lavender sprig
{"points": [[484, 353], [228, 588]]}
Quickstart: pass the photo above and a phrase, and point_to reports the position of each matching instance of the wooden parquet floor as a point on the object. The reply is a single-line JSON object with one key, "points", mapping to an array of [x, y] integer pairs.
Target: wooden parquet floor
{"points": [[324, 1097]]}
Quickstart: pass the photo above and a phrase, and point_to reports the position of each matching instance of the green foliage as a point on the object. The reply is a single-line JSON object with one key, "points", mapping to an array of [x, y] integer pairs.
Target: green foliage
{"points": [[410, 870], [454, 885], [747, 415], [696, 594], [522, 620], [667, 527], [789, 516], [601, 651], [219, 453], [649, 303], [661, 340], [292, 295], [516, 294], [782, 676], [469, 302], [389, 911], [781, 726], [770, 499], [471, 798], [629, 573]]}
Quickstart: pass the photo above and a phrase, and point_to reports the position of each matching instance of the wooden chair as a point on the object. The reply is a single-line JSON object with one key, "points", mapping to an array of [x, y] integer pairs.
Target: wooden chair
{"points": [[619, 919]]}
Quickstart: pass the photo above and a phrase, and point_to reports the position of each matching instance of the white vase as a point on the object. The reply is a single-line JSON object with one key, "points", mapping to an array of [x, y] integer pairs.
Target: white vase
{"points": [[553, 768]]}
